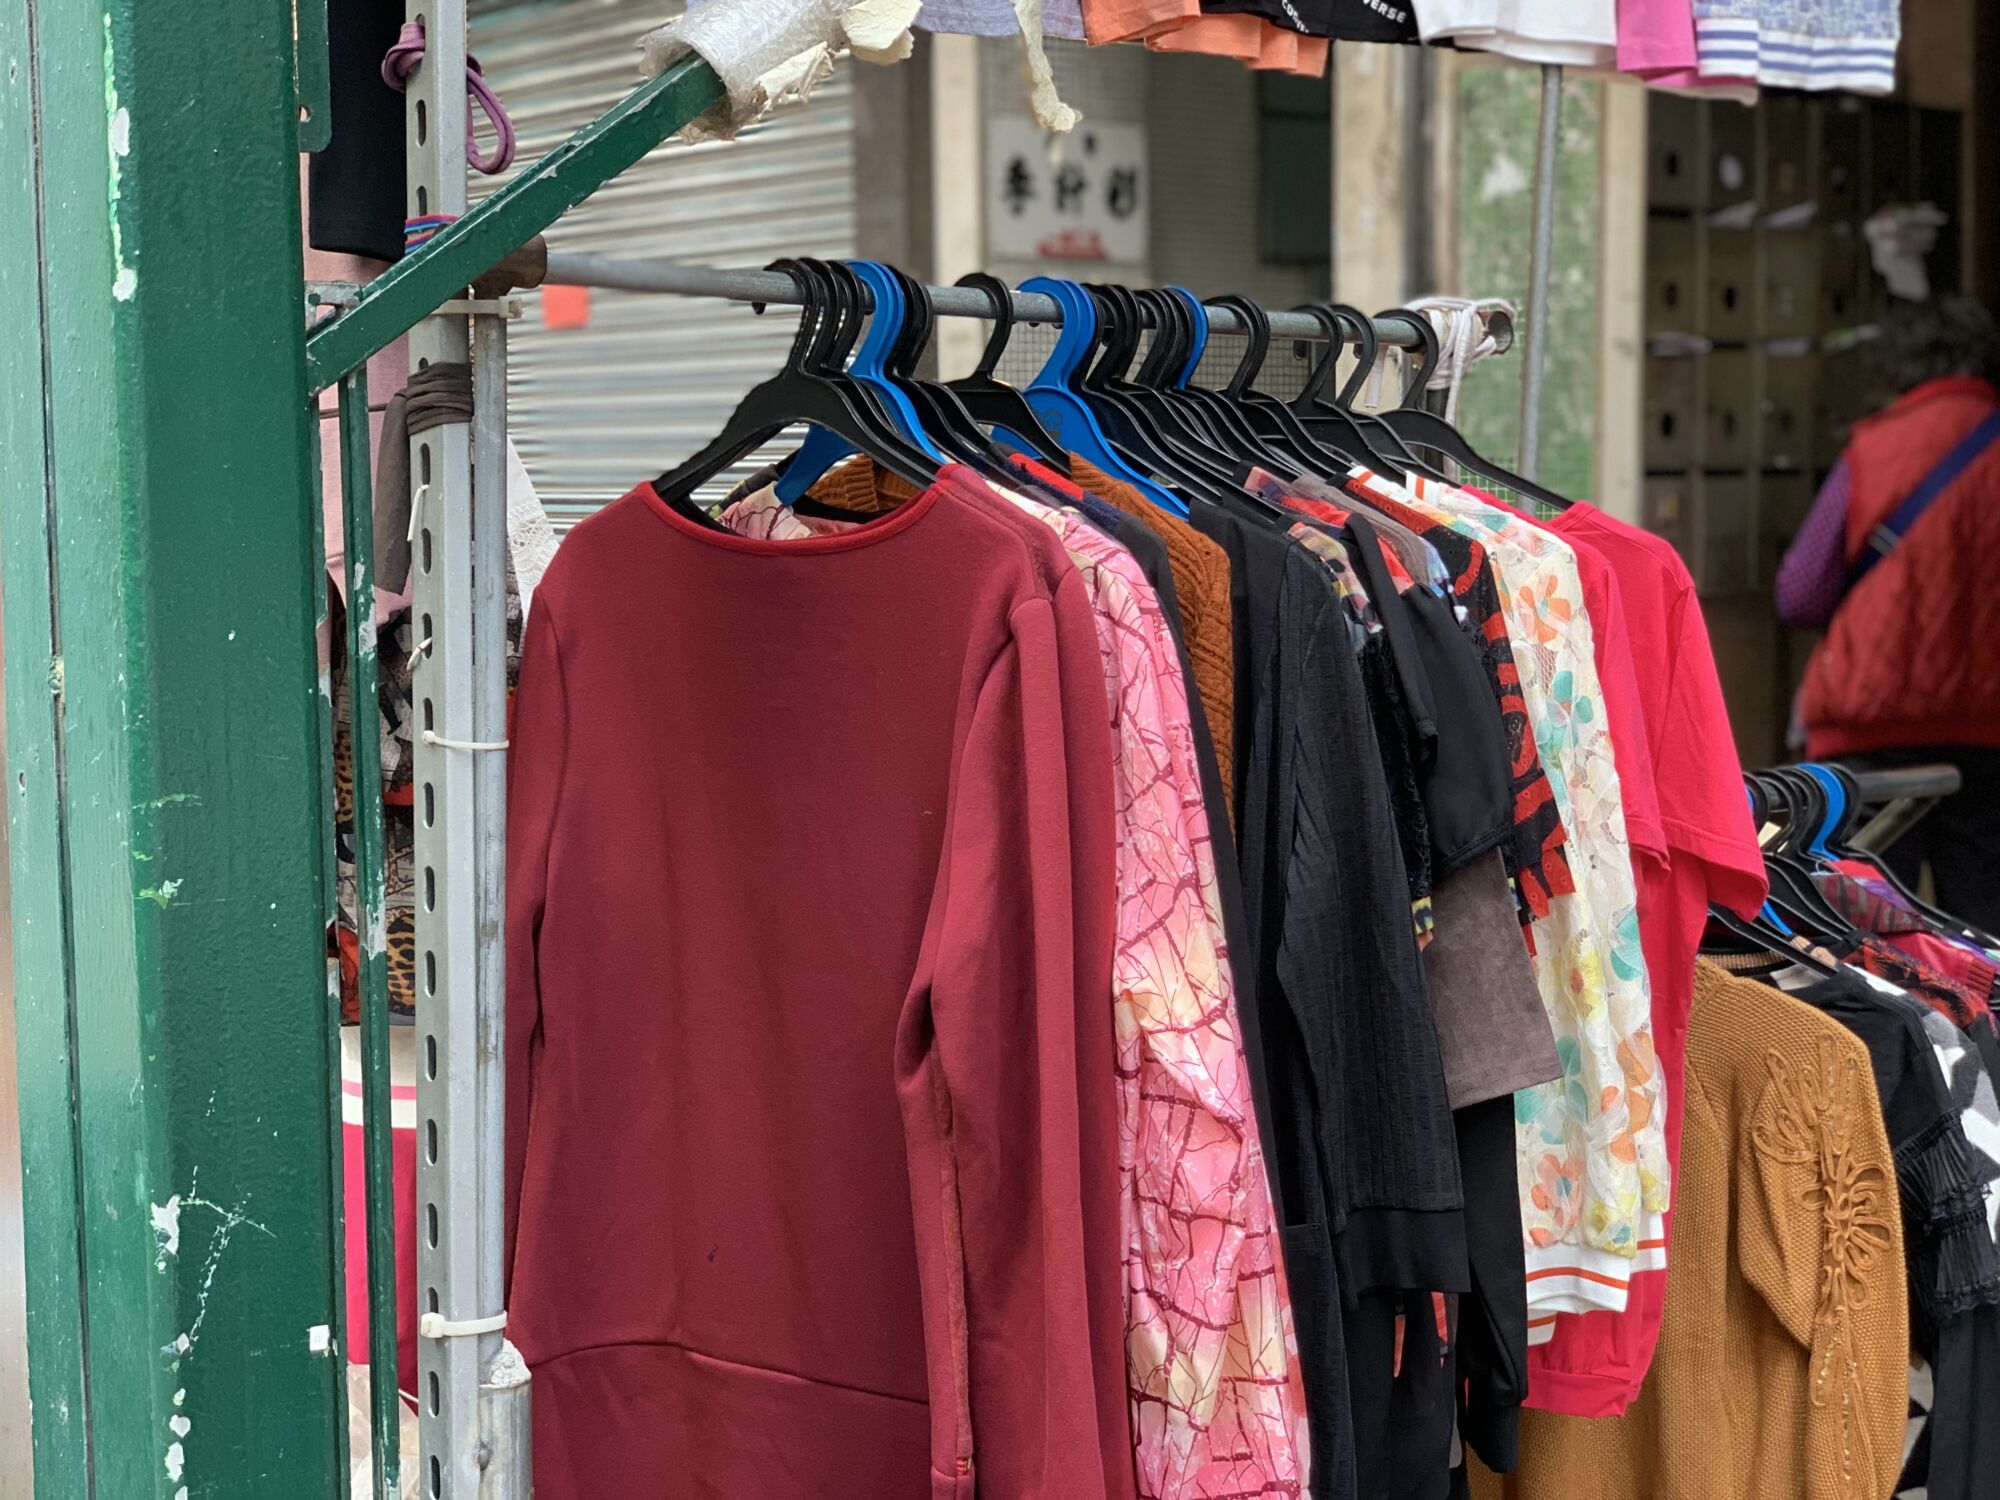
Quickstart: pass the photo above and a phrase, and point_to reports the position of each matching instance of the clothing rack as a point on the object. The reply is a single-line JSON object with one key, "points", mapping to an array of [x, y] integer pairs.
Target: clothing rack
{"points": [[472, 1409], [569, 268], [473, 1390]]}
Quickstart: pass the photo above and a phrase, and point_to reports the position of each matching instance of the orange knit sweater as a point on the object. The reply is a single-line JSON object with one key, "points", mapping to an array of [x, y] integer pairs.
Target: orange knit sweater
{"points": [[1201, 579], [1784, 1353]]}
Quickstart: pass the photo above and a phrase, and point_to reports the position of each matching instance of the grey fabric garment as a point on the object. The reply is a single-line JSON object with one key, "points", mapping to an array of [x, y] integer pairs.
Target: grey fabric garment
{"points": [[1060, 18], [435, 395], [1420, 559], [1492, 1029]]}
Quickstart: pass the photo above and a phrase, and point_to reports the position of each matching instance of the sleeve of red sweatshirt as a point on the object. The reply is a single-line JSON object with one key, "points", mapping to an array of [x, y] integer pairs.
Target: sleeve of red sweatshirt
{"points": [[992, 1094], [539, 731]]}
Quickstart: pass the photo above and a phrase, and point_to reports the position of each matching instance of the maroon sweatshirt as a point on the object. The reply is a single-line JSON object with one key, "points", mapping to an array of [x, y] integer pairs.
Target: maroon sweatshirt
{"points": [[810, 1146]]}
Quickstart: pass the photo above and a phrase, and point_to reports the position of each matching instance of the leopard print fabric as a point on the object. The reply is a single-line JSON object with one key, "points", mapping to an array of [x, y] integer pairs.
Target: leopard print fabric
{"points": [[396, 652]]}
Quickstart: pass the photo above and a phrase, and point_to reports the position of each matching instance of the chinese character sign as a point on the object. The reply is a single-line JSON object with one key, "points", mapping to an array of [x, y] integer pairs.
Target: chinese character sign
{"points": [[1081, 196]]}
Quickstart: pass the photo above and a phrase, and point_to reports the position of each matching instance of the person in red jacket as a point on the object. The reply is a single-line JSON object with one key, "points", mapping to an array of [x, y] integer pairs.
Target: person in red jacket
{"points": [[1909, 672]]}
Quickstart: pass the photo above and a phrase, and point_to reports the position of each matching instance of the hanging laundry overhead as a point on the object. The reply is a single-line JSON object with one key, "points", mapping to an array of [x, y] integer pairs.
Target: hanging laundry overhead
{"points": [[1565, 33], [1275, 42], [1800, 45]]}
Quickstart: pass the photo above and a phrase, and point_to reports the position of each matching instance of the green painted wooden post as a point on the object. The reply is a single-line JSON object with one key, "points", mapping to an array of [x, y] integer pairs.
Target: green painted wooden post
{"points": [[39, 914], [164, 753]]}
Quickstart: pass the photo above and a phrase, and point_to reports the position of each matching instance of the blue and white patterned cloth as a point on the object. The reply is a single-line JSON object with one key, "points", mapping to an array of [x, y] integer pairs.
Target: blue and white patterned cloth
{"points": [[1800, 44]]}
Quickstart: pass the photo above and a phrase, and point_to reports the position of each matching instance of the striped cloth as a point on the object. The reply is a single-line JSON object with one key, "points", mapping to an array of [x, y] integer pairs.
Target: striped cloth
{"points": [[1800, 44]]}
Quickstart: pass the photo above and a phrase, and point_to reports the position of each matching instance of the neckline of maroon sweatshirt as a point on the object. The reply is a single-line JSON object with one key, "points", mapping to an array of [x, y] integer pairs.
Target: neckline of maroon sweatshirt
{"points": [[893, 523]]}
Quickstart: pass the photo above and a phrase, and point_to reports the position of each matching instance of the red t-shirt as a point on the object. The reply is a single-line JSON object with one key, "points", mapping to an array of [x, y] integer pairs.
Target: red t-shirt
{"points": [[1593, 1364], [811, 1184]]}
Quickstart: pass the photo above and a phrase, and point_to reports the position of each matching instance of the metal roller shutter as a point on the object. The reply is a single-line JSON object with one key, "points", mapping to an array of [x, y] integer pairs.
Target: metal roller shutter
{"points": [[651, 378]]}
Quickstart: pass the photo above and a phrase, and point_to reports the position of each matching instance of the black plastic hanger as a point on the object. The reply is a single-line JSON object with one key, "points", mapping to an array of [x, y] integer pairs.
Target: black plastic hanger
{"points": [[1217, 422], [1165, 447], [1273, 423], [989, 400], [1794, 897], [1333, 424], [1172, 339], [1230, 426], [1330, 447], [1326, 453], [1381, 436], [798, 394], [940, 409], [1216, 432], [1771, 941], [1424, 429]]}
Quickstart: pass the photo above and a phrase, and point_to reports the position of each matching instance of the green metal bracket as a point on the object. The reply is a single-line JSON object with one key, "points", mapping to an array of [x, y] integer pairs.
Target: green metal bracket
{"points": [[466, 248]]}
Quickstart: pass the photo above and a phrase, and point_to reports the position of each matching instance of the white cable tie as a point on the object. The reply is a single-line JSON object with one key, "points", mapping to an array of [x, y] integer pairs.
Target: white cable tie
{"points": [[436, 1326], [431, 737], [416, 510]]}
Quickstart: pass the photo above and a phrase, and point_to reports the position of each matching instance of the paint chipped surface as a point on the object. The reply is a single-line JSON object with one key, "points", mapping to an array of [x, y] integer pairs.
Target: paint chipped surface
{"points": [[160, 895], [176, 1462], [166, 1231], [179, 1425], [180, 1396], [118, 142], [319, 1339], [229, 1221], [374, 934]]}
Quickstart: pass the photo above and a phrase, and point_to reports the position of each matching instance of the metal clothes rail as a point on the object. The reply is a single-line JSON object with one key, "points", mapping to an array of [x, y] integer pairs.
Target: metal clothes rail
{"points": [[1902, 797], [573, 269]]}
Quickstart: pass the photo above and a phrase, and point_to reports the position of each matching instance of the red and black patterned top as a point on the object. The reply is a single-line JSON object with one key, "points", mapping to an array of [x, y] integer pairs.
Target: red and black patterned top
{"points": [[1535, 858], [1964, 1009]]}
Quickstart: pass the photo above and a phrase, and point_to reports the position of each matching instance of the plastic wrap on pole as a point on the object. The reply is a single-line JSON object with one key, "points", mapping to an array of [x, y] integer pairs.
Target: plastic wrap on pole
{"points": [[773, 52]]}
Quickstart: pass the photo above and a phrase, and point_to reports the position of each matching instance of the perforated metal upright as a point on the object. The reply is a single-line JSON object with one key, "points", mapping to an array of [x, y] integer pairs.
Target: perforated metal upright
{"points": [[458, 573]]}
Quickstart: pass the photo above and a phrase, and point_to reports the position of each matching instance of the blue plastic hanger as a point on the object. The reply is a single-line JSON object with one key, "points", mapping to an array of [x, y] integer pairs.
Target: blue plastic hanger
{"points": [[822, 450], [1836, 811], [1053, 396], [1198, 311]]}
